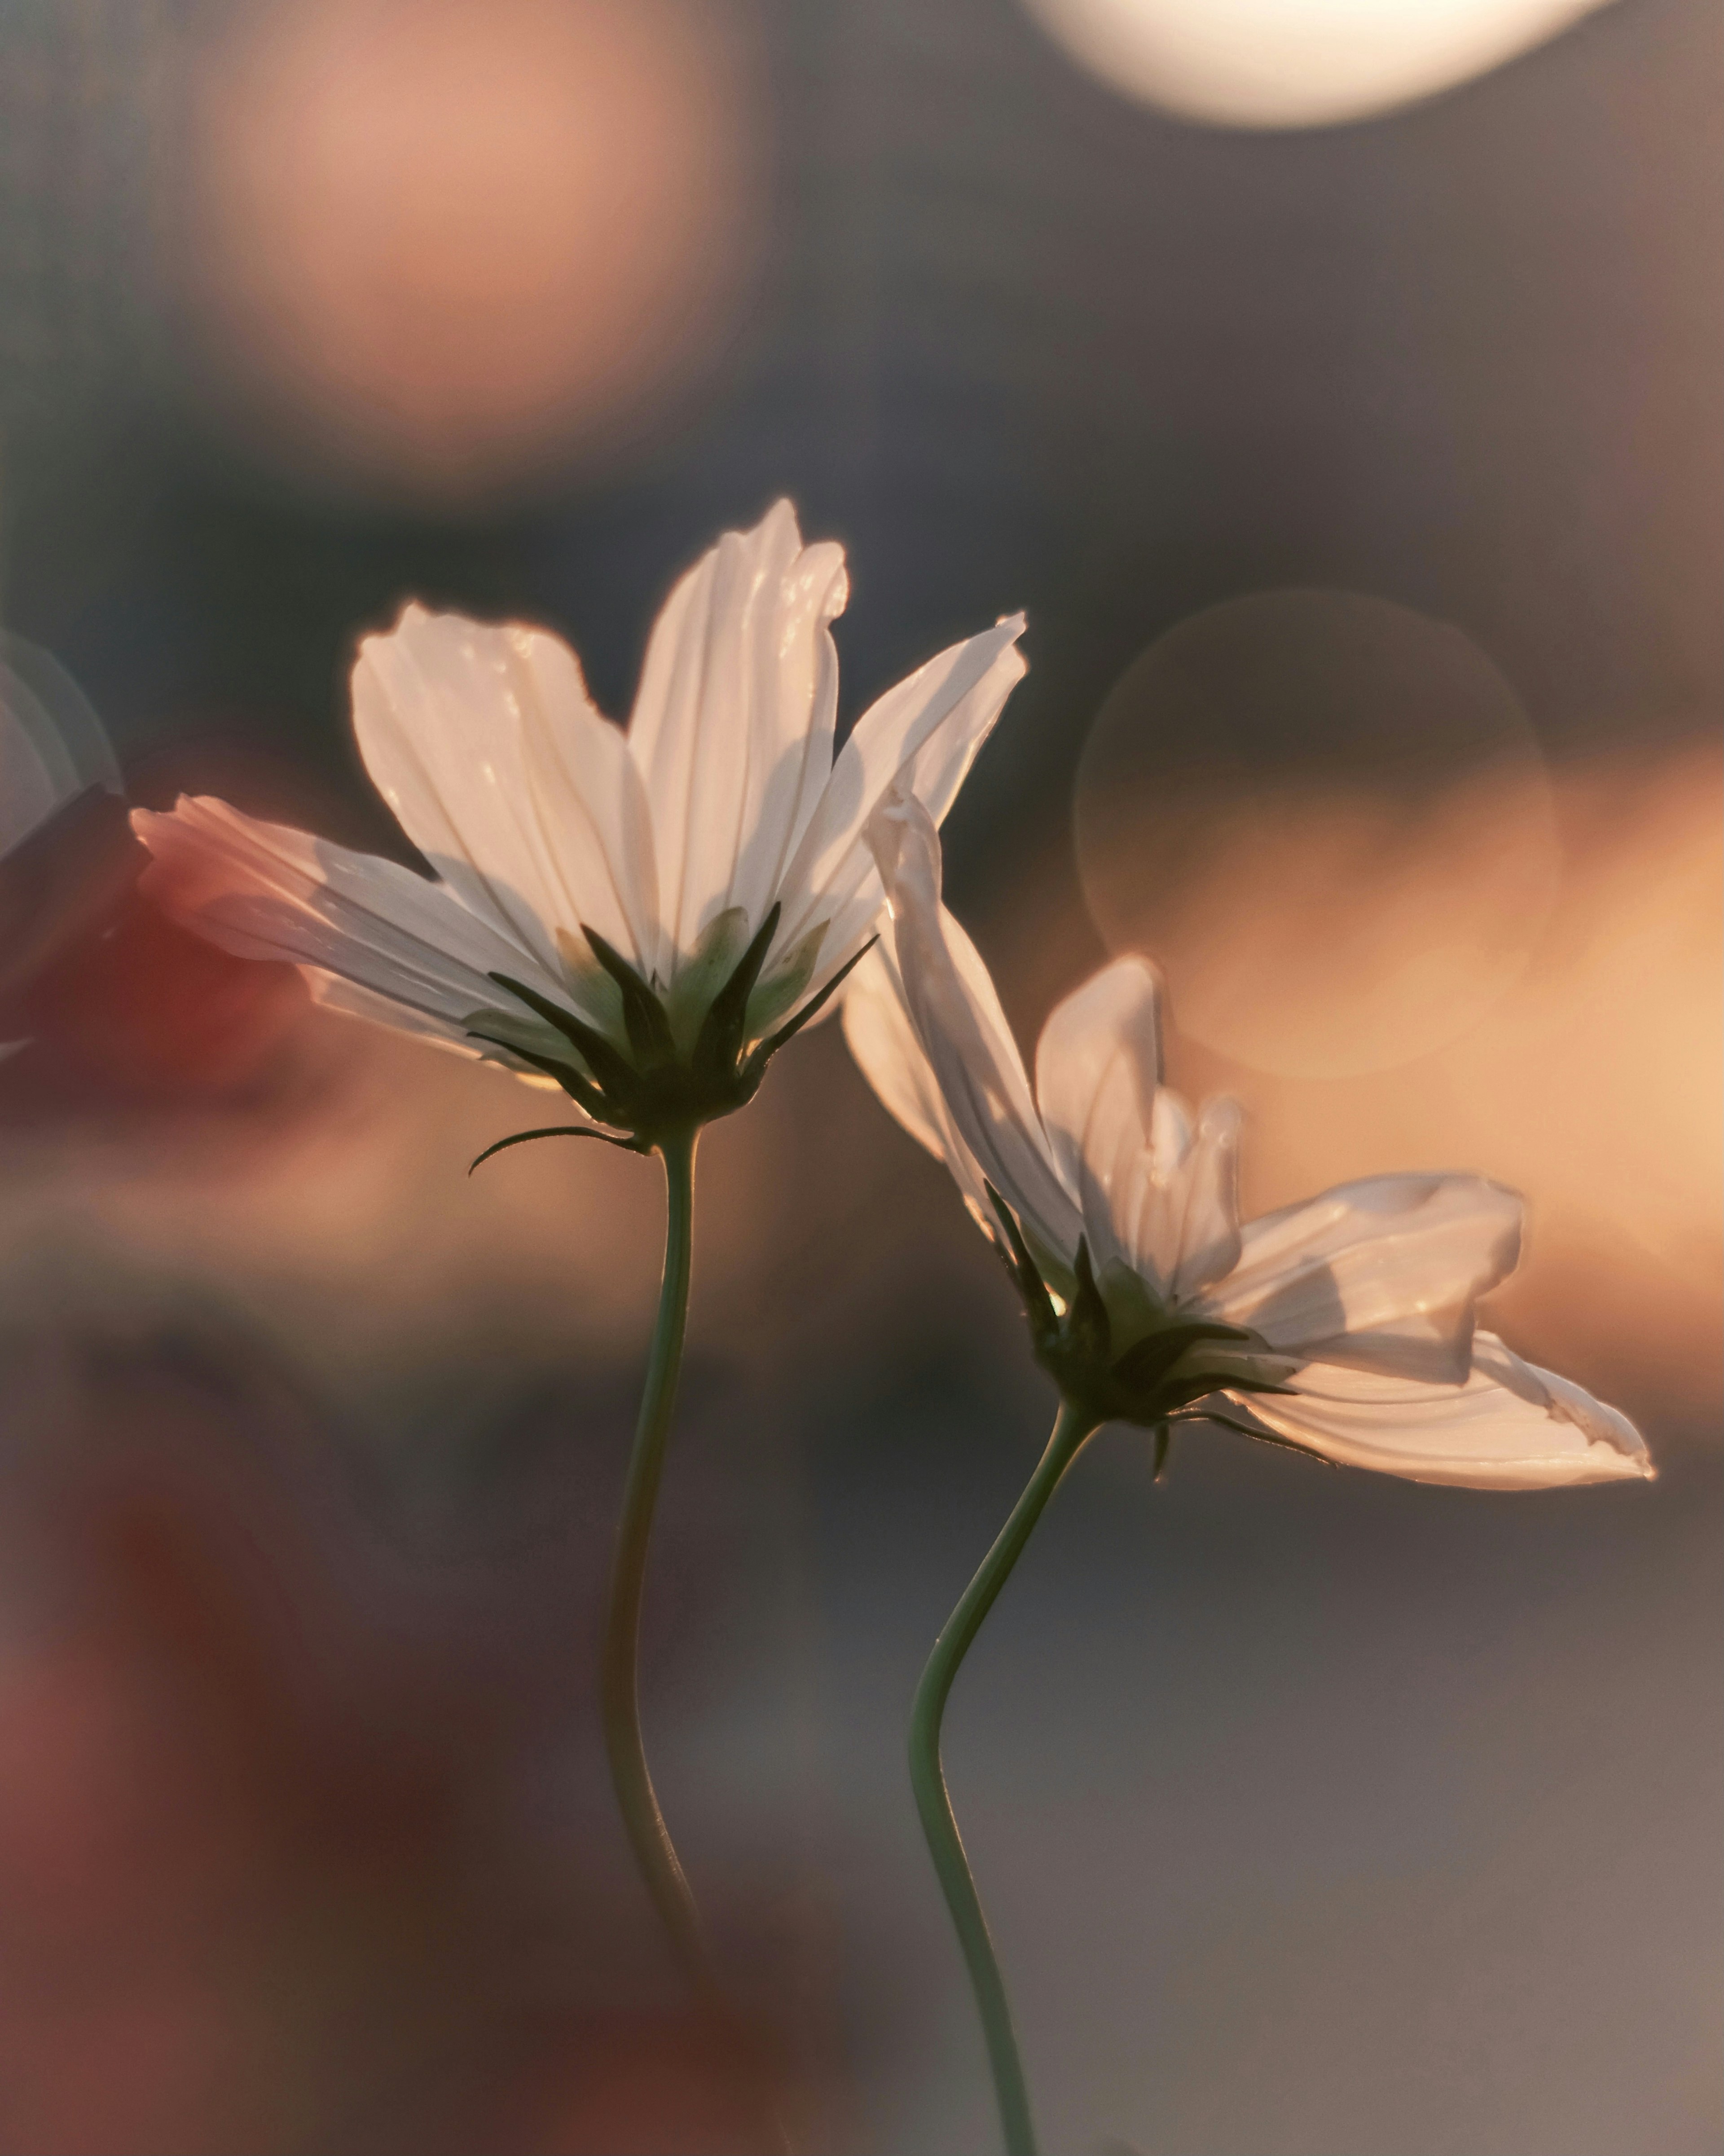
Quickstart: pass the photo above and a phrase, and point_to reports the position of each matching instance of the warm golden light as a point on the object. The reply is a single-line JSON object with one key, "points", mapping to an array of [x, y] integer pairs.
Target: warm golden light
{"points": [[1590, 1080], [1327, 817], [438, 246], [1297, 63]]}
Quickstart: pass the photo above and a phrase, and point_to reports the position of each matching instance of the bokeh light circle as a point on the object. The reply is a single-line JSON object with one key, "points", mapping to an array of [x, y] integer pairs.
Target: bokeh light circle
{"points": [[433, 248], [1328, 818], [1275, 64]]}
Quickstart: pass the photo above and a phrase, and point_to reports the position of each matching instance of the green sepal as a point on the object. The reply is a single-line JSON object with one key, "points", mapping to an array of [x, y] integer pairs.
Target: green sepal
{"points": [[1263, 1437], [1087, 1321], [557, 1130], [769, 1047], [1038, 1303], [1150, 1359], [1200, 1387], [723, 1031], [581, 1091], [643, 1013], [777, 989], [608, 1065]]}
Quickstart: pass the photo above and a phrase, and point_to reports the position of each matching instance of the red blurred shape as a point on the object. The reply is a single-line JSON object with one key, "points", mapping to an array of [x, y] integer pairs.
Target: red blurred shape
{"points": [[144, 1007]]}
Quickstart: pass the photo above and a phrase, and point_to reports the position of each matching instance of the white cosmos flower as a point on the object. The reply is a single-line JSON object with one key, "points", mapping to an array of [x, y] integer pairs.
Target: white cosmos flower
{"points": [[569, 853], [1358, 1307]]}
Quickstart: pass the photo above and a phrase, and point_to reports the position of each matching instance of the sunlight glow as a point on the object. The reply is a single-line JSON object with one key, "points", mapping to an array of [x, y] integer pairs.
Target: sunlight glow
{"points": [[1297, 63]]}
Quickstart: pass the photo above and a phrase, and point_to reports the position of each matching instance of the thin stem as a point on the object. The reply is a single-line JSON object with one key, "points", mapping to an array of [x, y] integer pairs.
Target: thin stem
{"points": [[927, 1776], [619, 1663]]}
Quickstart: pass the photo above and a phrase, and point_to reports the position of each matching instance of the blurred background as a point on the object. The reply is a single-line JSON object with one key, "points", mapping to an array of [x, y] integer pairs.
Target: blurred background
{"points": [[1338, 389]]}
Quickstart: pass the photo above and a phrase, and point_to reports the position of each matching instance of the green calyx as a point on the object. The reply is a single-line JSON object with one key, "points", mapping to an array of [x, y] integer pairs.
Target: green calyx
{"points": [[659, 1083], [1162, 1370]]}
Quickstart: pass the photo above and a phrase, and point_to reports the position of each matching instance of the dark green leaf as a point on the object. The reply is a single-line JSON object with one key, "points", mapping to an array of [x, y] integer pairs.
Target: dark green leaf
{"points": [[577, 1088], [608, 1065], [724, 1031], [1262, 1436], [1151, 1359], [1038, 1305], [1200, 1387], [556, 1131], [643, 1013], [1088, 1322], [770, 1047]]}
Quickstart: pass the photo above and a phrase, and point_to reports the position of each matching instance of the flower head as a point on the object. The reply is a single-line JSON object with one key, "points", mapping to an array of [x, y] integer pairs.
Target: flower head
{"points": [[1344, 1326], [642, 916]]}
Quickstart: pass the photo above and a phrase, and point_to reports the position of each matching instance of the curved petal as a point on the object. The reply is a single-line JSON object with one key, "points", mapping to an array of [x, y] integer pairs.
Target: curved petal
{"points": [[919, 739], [262, 890], [1180, 1215], [733, 724], [1097, 1065], [589, 806], [483, 742], [1560, 1398], [963, 1033], [1210, 1239], [882, 1039], [1382, 1273], [330, 992], [1511, 1426]]}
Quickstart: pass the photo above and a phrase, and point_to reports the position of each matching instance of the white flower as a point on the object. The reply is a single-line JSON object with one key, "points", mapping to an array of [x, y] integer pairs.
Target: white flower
{"points": [[641, 915], [1347, 1323]]}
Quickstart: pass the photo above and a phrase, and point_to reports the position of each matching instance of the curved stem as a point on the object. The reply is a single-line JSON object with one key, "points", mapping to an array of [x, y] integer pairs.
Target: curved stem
{"points": [[620, 1662], [927, 1775]]}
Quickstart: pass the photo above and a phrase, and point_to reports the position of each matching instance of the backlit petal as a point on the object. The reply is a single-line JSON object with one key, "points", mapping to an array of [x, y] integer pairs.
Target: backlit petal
{"points": [[1097, 1064], [878, 1028], [589, 805], [733, 724], [1209, 1238], [1180, 1216], [330, 992], [1382, 1273], [963, 1033], [1511, 1426], [919, 739], [262, 890], [484, 742]]}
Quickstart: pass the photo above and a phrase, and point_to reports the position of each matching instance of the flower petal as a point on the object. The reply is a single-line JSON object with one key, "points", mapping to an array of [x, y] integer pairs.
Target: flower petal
{"points": [[1210, 1239], [483, 742], [882, 1038], [919, 739], [330, 992], [733, 724], [1180, 1216], [1382, 1273], [1511, 1426], [262, 890], [1559, 1398], [956, 1016], [1097, 1066]]}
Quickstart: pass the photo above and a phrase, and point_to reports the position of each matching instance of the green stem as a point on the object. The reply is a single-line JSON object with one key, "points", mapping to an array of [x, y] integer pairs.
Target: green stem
{"points": [[927, 1776], [620, 1662]]}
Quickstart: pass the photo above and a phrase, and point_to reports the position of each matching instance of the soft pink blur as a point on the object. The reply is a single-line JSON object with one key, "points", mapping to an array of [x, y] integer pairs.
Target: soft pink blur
{"points": [[262, 1848], [441, 248]]}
